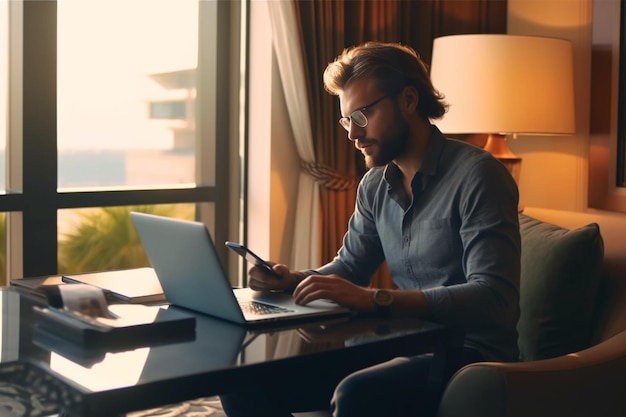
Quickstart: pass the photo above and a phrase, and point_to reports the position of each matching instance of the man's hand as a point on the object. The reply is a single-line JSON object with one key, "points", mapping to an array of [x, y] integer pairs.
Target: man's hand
{"points": [[261, 281], [334, 288]]}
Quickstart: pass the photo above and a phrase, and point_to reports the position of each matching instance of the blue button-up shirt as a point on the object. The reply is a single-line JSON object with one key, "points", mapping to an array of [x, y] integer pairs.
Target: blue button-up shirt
{"points": [[457, 239]]}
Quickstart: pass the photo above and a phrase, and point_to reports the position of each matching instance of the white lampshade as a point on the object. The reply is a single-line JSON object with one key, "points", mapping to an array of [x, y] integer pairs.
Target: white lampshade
{"points": [[504, 84]]}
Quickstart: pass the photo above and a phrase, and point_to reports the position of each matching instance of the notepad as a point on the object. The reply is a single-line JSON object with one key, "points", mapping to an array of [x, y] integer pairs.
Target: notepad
{"points": [[135, 286]]}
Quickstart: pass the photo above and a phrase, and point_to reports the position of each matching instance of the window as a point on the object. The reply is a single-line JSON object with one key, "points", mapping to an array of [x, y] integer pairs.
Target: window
{"points": [[111, 96], [4, 92], [168, 110], [606, 190], [108, 79], [4, 99], [621, 100]]}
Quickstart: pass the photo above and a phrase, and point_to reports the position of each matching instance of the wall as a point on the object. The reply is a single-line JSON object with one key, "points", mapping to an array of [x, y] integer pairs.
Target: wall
{"points": [[555, 169], [260, 97]]}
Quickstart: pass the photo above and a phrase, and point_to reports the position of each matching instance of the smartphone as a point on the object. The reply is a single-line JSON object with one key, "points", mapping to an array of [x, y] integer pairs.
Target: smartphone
{"points": [[252, 257]]}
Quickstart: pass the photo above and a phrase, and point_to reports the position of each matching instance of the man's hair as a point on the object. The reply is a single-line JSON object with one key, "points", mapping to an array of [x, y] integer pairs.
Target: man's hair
{"points": [[393, 66]]}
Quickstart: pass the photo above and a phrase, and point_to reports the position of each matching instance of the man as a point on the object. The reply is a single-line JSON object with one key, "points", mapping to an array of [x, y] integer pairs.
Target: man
{"points": [[442, 213]]}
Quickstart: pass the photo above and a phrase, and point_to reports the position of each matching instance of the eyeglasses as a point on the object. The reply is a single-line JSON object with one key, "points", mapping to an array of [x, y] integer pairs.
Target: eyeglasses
{"points": [[358, 116]]}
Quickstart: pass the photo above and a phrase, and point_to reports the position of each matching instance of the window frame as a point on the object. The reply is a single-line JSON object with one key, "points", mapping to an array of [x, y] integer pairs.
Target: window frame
{"points": [[32, 199]]}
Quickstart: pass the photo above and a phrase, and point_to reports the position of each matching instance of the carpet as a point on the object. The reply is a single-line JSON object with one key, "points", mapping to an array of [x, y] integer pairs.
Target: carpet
{"points": [[24, 391], [200, 407]]}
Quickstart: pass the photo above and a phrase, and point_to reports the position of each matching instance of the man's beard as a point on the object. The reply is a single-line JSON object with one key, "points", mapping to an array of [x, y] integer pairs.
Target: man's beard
{"points": [[390, 148]]}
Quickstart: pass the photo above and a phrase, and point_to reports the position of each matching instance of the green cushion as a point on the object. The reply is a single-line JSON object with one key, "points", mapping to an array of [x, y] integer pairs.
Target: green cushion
{"points": [[558, 286]]}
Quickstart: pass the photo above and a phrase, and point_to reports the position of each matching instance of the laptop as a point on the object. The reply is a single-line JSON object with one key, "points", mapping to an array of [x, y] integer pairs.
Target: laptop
{"points": [[191, 275]]}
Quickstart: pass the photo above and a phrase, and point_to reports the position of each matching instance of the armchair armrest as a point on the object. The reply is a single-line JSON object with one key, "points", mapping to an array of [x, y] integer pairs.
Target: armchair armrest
{"points": [[591, 382]]}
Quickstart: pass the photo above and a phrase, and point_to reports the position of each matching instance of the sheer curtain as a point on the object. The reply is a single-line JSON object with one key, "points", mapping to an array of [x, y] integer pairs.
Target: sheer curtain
{"points": [[305, 253], [307, 35]]}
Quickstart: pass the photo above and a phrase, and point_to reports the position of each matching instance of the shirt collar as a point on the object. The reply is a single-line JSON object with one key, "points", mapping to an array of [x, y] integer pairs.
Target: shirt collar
{"points": [[429, 165]]}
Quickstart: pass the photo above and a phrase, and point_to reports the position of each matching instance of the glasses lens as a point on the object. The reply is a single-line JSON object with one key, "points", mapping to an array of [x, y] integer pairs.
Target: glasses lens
{"points": [[345, 122], [358, 118]]}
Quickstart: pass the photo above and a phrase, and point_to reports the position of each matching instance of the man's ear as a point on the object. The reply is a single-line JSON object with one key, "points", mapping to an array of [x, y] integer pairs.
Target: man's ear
{"points": [[409, 98]]}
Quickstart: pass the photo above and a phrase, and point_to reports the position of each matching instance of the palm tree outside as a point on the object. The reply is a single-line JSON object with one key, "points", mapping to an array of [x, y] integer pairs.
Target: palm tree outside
{"points": [[105, 238]]}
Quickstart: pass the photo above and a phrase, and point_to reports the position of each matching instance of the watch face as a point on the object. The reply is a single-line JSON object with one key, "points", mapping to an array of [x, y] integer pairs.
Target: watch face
{"points": [[383, 298]]}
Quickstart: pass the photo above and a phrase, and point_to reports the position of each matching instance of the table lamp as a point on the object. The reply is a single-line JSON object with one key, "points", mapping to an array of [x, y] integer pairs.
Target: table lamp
{"points": [[503, 85]]}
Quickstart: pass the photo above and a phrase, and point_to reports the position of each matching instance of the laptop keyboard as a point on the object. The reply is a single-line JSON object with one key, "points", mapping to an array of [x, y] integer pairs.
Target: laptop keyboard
{"points": [[254, 307]]}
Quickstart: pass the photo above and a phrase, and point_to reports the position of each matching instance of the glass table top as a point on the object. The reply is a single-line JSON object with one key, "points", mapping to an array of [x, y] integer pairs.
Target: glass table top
{"points": [[218, 347]]}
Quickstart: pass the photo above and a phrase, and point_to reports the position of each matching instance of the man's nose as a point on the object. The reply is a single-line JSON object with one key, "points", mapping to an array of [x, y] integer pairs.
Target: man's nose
{"points": [[355, 132]]}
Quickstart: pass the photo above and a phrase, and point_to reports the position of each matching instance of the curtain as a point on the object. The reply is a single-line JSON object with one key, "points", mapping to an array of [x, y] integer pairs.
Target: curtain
{"points": [[289, 55], [322, 29]]}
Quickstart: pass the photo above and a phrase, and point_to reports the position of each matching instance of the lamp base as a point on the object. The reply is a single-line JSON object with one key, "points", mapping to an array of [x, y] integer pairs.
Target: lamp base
{"points": [[497, 146]]}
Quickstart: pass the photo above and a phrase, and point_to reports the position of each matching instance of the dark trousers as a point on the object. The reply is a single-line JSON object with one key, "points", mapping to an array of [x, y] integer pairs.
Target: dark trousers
{"points": [[397, 388]]}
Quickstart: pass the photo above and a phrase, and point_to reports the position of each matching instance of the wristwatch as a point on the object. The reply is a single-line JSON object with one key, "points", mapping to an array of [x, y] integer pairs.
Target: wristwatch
{"points": [[383, 300]]}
